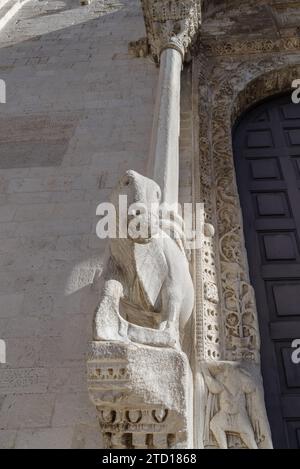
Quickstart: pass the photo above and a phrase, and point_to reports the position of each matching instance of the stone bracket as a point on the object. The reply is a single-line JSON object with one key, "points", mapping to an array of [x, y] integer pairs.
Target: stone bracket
{"points": [[139, 48], [142, 395]]}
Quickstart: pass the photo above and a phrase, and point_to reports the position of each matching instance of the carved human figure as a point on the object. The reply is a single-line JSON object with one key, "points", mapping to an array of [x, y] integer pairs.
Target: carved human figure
{"points": [[147, 280], [235, 414]]}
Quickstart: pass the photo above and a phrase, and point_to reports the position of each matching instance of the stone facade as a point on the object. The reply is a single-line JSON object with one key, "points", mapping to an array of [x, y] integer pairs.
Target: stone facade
{"points": [[78, 115]]}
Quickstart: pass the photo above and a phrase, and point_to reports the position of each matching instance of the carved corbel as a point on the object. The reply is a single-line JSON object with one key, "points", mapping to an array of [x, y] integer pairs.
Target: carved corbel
{"points": [[138, 377], [171, 24]]}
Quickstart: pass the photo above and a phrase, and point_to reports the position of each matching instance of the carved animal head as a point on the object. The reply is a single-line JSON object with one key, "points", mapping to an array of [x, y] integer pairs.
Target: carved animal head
{"points": [[137, 202], [140, 208], [137, 188]]}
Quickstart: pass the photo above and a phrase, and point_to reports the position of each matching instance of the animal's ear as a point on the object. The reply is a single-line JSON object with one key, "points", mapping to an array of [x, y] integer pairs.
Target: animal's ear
{"points": [[126, 179], [151, 268]]}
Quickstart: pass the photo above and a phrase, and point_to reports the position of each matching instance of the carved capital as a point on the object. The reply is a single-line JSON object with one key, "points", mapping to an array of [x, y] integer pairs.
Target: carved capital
{"points": [[171, 24]]}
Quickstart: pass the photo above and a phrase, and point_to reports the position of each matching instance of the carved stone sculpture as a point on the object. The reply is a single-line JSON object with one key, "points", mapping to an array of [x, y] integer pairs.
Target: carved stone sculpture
{"points": [[234, 406], [171, 24], [138, 378], [148, 293], [143, 395]]}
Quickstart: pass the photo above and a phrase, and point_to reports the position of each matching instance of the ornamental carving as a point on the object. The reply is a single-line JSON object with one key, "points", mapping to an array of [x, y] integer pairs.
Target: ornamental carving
{"points": [[143, 395], [171, 23], [208, 318], [246, 47], [140, 428], [224, 93], [239, 307]]}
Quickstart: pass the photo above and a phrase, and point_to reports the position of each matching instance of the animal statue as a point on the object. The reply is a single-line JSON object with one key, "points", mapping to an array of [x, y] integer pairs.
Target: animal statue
{"points": [[148, 293]]}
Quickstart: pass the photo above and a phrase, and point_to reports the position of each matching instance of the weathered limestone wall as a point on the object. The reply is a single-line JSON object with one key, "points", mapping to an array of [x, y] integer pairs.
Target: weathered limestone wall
{"points": [[78, 114]]}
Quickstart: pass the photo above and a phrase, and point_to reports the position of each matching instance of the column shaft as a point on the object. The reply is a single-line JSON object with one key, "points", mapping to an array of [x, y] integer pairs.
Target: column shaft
{"points": [[164, 151]]}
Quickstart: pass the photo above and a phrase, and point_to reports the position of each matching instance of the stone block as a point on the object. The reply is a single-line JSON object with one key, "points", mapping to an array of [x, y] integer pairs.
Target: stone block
{"points": [[7, 439], [142, 394], [23, 380], [26, 411], [11, 304], [71, 408], [48, 438]]}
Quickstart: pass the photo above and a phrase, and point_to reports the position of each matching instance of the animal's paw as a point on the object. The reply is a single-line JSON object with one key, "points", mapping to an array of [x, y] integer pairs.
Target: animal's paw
{"points": [[163, 326], [172, 329]]}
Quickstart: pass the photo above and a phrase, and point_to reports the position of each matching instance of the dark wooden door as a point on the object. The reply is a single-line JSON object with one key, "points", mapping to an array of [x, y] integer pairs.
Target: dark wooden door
{"points": [[267, 159]]}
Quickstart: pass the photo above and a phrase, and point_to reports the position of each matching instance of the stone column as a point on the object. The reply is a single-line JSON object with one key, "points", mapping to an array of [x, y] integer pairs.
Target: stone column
{"points": [[171, 27], [164, 151]]}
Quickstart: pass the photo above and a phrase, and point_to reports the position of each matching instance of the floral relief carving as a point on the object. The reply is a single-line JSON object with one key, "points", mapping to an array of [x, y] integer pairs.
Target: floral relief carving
{"points": [[208, 327], [246, 47], [232, 94], [225, 91]]}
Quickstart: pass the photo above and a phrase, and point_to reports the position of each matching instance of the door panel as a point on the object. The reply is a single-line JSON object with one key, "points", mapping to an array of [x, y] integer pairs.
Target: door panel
{"points": [[267, 160]]}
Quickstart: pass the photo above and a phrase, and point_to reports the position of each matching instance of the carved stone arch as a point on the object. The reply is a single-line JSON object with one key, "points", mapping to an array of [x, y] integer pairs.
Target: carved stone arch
{"points": [[241, 334], [276, 81], [226, 321]]}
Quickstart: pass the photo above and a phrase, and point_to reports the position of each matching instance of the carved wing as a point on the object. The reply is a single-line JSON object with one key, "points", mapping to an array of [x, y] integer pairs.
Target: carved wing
{"points": [[173, 226], [151, 268]]}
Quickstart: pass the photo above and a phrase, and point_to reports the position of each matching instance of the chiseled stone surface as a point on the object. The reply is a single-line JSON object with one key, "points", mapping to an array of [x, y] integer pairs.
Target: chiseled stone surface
{"points": [[78, 114], [7, 439], [61, 438]]}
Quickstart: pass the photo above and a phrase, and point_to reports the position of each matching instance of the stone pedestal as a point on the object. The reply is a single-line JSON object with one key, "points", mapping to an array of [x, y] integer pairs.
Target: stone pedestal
{"points": [[143, 395]]}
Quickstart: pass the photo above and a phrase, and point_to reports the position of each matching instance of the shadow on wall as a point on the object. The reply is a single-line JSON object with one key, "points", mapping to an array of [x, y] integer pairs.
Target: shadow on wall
{"points": [[61, 14], [78, 114]]}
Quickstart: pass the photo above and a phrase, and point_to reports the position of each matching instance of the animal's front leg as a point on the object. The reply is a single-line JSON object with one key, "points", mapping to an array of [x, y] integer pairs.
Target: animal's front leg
{"points": [[172, 328], [171, 314], [108, 324]]}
